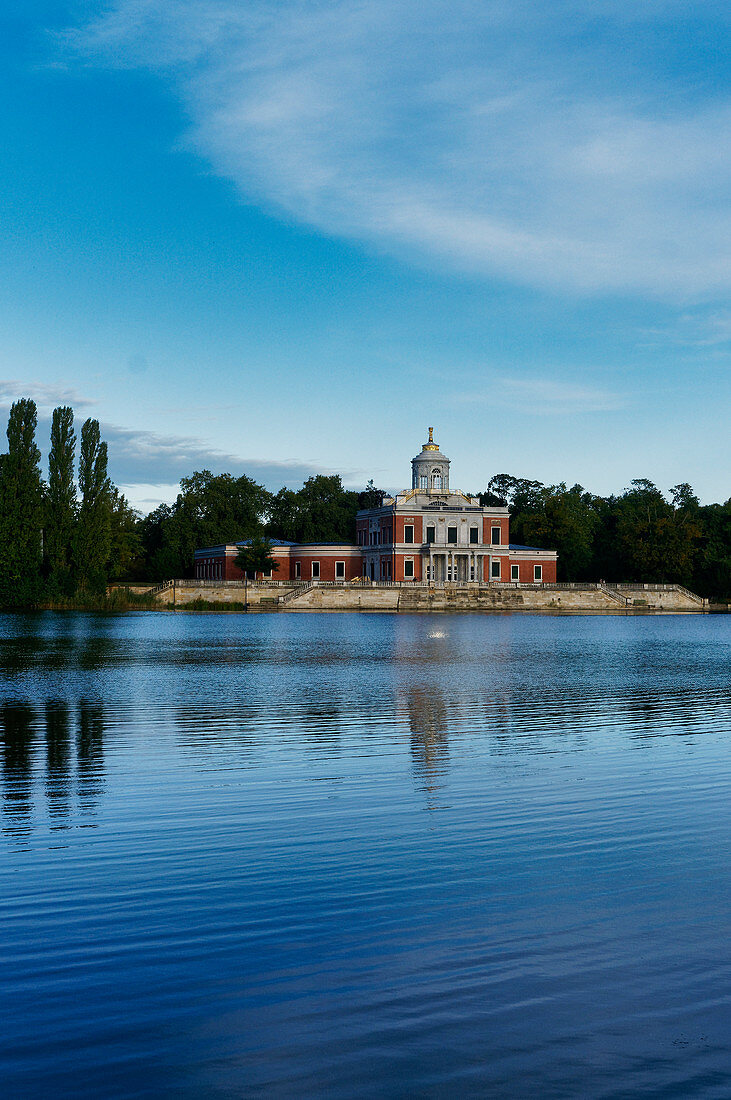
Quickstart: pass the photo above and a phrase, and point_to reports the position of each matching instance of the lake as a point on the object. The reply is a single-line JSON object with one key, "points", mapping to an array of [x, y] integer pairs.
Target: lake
{"points": [[358, 855]]}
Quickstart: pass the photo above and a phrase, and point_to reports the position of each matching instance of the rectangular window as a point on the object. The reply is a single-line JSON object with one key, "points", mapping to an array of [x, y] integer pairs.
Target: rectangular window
{"points": [[515, 572], [496, 536], [431, 534], [409, 532], [452, 534], [495, 570], [315, 570], [360, 538], [423, 481], [409, 568], [537, 572], [339, 570], [297, 570], [473, 536]]}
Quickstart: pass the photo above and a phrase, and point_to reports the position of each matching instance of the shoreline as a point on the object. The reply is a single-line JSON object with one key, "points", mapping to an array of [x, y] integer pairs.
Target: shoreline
{"points": [[260, 596]]}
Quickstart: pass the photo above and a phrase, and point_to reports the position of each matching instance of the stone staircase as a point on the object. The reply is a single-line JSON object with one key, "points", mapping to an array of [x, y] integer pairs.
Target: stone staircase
{"points": [[294, 593]]}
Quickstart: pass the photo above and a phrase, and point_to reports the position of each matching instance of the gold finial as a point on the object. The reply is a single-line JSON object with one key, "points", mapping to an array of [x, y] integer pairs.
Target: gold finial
{"points": [[431, 445]]}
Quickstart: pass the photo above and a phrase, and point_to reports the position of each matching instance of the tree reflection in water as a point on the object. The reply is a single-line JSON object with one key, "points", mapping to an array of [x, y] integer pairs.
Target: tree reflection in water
{"points": [[19, 723], [58, 762], [17, 729]]}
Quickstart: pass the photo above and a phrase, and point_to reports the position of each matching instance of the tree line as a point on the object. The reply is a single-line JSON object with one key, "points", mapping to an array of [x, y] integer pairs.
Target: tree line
{"points": [[640, 535], [65, 536], [74, 533]]}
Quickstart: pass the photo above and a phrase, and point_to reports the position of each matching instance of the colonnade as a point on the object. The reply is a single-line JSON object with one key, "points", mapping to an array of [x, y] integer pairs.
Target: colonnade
{"points": [[453, 566]]}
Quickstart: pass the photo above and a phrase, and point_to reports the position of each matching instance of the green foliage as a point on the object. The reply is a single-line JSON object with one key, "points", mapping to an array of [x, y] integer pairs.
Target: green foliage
{"points": [[560, 519], [60, 509], [210, 510], [211, 605], [371, 497], [321, 511], [639, 536], [256, 557], [92, 545], [126, 557], [656, 541], [21, 509]]}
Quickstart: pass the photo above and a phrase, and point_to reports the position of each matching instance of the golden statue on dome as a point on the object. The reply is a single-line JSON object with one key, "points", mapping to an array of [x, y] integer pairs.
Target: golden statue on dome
{"points": [[431, 445]]}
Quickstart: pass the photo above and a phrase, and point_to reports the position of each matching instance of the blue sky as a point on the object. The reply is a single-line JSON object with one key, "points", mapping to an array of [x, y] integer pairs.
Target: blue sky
{"points": [[283, 238]]}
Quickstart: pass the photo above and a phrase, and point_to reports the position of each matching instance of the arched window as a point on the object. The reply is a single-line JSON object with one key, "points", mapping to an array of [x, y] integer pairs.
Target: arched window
{"points": [[436, 479]]}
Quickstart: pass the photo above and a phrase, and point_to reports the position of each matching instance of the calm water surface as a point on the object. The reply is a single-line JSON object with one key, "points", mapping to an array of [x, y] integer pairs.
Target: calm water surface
{"points": [[365, 855]]}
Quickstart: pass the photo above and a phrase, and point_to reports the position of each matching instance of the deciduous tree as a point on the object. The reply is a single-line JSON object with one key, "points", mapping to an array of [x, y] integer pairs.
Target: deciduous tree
{"points": [[256, 557]]}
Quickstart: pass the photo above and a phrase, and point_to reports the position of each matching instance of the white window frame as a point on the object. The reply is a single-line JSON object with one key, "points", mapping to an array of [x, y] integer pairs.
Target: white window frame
{"points": [[409, 527], [315, 575], [499, 530], [515, 572], [341, 576], [538, 574], [423, 481], [409, 576], [495, 569]]}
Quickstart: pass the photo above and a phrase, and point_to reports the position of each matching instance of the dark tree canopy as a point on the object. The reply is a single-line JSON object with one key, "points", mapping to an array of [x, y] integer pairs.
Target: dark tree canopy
{"points": [[61, 509], [94, 528], [21, 506], [210, 510], [321, 511]]}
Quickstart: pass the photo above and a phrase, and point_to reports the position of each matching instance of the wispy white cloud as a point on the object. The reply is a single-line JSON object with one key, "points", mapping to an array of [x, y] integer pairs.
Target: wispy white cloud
{"points": [[536, 142], [143, 457], [707, 330], [543, 397], [46, 396]]}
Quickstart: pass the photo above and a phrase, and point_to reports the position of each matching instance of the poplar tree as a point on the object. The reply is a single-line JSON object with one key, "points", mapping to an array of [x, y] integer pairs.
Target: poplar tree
{"points": [[61, 500], [93, 530], [21, 504]]}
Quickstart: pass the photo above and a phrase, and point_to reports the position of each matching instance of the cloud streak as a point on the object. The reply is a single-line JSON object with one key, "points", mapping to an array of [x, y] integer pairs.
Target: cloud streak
{"points": [[46, 396], [544, 397], [144, 458], [536, 143]]}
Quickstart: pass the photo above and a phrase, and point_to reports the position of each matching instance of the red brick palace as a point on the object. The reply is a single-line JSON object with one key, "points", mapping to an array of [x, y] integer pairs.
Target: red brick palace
{"points": [[428, 533]]}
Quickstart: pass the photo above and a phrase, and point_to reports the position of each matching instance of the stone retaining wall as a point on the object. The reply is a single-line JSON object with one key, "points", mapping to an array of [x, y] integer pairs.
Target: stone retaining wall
{"points": [[356, 597]]}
